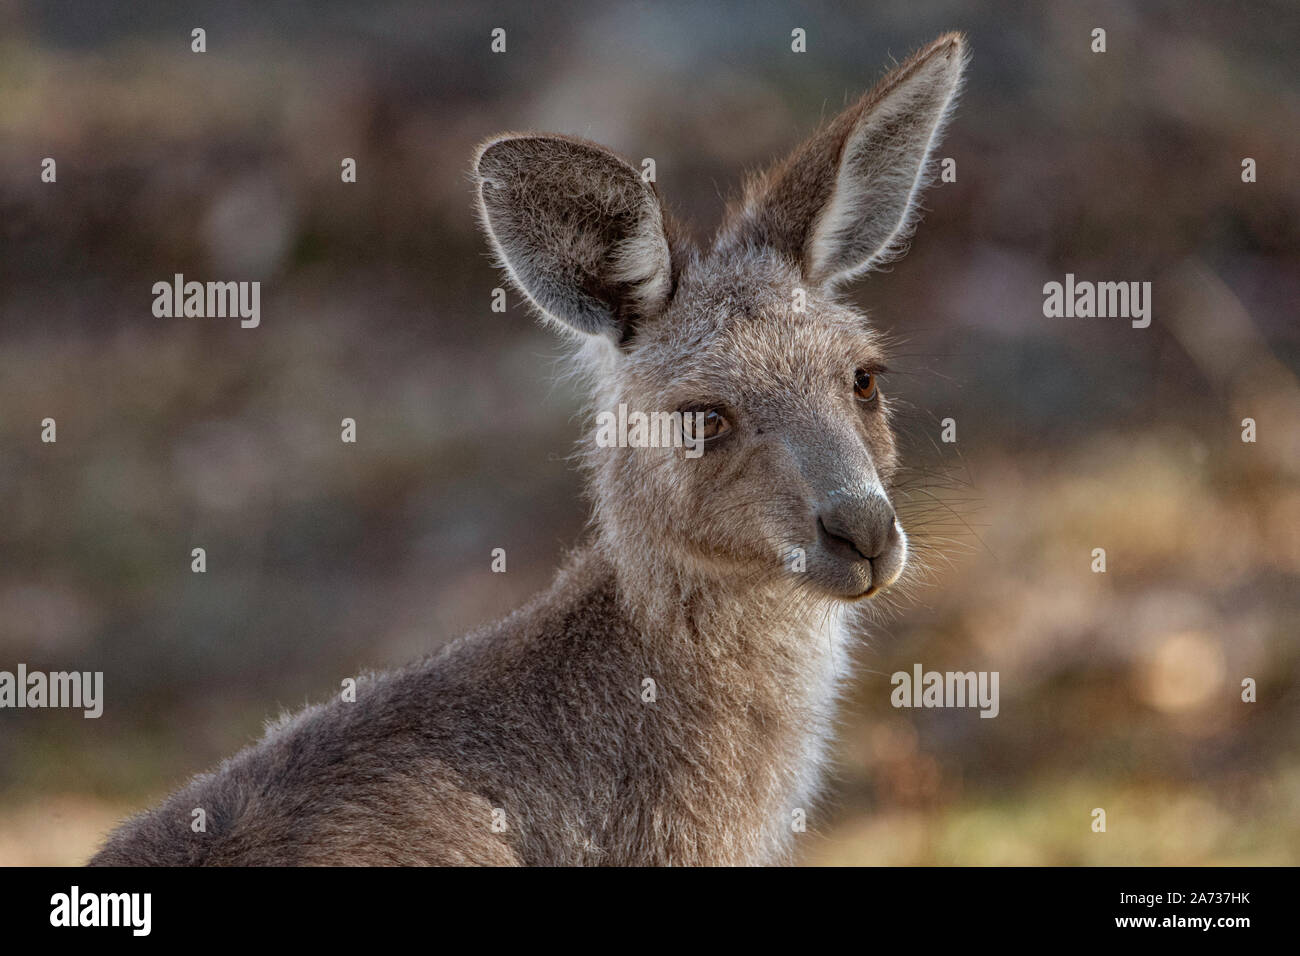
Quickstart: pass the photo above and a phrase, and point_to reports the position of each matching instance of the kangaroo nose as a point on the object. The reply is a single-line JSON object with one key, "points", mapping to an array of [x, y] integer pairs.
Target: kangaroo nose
{"points": [[858, 528]]}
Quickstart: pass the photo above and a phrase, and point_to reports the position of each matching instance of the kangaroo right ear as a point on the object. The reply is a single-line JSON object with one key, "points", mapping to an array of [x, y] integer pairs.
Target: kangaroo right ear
{"points": [[846, 200], [577, 230]]}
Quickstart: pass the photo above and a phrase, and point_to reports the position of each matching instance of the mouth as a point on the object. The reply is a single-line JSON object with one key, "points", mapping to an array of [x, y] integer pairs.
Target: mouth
{"points": [[857, 579], [849, 581], [864, 596]]}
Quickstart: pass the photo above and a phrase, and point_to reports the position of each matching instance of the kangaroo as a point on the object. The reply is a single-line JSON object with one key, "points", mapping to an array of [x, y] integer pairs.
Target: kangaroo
{"points": [[670, 698]]}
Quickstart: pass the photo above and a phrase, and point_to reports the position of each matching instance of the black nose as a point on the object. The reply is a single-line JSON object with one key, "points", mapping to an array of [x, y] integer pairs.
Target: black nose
{"points": [[858, 528]]}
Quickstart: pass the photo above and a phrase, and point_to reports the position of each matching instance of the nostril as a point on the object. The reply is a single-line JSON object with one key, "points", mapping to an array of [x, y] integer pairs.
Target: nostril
{"points": [[839, 540], [862, 534]]}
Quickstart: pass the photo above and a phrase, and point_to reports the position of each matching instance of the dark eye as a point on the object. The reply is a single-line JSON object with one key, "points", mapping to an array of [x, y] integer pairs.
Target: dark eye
{"points": [[712, 423], [864, 385]]}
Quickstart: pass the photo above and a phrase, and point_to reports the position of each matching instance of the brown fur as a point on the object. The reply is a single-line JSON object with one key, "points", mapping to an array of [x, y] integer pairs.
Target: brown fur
{"points": [[685, 580]]}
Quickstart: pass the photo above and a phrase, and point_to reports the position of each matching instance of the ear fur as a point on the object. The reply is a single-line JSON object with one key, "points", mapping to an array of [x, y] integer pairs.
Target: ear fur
{"points": [[577, 230]]}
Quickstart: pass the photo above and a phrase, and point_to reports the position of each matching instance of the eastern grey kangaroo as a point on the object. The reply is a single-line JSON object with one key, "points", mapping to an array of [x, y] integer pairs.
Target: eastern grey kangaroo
{"points": [[670, 699]]}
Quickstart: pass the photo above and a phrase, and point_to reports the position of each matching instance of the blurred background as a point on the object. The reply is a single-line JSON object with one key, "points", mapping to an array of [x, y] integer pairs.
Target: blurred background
{"points": [[1118, 690]]}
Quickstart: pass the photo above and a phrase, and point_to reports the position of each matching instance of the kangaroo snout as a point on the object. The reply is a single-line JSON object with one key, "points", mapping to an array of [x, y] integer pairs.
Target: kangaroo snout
{"points": [[860, 533]]}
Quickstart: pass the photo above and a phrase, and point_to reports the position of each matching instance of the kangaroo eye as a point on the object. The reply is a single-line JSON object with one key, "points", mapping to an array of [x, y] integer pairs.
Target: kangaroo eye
{"points": [[712, 425], [864, 385]]}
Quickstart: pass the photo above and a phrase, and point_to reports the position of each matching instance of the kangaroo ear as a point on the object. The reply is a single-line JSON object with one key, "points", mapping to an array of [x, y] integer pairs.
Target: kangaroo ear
{"points": [[578, 231], [846, 199]]}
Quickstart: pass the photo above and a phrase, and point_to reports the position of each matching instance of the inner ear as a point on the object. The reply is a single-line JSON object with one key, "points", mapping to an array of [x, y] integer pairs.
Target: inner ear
{"points": [[578, 231]]}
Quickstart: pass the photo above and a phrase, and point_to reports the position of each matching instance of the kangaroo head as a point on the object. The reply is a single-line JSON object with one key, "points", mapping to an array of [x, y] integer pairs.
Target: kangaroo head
{"points": [[779, 381]]}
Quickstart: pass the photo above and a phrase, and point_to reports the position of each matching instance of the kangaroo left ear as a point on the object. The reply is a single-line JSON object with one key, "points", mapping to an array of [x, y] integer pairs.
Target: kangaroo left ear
{"points": [[578, 231], [845, 201]]}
